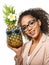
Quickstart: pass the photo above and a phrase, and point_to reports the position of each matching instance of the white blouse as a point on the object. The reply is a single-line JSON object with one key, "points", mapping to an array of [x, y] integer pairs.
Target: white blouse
{"points": [[40, 53], [28, 58]]}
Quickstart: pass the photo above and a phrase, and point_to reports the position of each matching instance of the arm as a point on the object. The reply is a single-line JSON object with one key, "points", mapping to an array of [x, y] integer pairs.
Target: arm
{"points": [[19, 59]]}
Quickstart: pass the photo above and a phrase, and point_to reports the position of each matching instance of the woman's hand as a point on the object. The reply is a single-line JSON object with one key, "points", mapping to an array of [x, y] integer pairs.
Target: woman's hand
{"points": [[18, 51]]}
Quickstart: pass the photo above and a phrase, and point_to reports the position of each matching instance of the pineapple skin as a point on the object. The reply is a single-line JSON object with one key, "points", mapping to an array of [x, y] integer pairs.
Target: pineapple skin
{"points": [[14, 40]]}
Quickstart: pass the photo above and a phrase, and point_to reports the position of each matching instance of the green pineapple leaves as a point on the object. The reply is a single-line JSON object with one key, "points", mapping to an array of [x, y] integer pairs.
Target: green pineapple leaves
{"points": [[9, 15]]}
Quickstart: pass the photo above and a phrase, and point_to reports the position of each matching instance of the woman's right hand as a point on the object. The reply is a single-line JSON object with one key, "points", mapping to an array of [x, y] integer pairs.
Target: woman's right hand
{"points": [[18, 51]]}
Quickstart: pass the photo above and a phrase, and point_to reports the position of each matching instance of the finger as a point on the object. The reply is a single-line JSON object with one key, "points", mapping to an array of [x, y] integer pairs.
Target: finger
{"points": [[14, 49]]}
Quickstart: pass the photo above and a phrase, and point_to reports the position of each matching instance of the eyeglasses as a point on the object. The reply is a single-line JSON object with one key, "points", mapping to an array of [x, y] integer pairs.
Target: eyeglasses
{"points": [[30, 23], [16, 31]]}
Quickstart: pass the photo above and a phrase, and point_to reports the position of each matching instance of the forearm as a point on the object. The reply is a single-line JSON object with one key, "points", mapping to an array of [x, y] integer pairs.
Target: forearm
{"points": [[18, 60]]}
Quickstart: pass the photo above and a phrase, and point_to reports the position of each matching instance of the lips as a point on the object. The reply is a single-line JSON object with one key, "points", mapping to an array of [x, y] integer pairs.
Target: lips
{"points": [[32, 32]]}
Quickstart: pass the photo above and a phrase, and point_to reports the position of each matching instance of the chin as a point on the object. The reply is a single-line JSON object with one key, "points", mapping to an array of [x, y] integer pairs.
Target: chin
{"points": [[34, 36]]}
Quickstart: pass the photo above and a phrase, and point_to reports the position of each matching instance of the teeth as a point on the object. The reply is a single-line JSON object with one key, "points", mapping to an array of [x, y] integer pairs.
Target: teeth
{"points": [[32, 32]]}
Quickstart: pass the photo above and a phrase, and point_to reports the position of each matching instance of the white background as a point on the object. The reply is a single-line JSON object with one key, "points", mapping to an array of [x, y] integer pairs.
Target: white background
{"points": [[6, 54]]}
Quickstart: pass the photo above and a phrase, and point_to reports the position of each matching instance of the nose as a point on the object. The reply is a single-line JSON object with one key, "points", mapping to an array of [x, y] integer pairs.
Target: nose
{"points": [[29, 28]]}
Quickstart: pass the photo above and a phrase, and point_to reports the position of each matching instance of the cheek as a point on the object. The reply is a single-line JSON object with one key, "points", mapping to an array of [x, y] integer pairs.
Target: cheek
{"points": [[27, 32], [37, 29]]}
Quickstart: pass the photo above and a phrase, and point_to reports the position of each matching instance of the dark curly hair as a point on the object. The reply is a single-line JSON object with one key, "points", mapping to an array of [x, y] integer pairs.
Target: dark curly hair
{"points": [[38, 13]]}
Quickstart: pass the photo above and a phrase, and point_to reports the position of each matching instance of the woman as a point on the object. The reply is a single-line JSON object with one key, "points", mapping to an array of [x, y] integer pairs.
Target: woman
{"points": [[34, 25]]}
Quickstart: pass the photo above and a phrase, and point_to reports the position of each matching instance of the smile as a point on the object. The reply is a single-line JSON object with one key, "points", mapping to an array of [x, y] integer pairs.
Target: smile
{"points": [[32, 32]]}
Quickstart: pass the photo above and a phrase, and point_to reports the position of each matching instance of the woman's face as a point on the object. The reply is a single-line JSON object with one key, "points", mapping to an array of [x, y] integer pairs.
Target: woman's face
{"points": [[31, 26]]}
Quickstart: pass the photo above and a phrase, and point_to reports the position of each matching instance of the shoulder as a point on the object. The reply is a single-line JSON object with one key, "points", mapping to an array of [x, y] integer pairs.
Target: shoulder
{"points": [[47, 40], [23, 47], [47, 45], [46, 58], [25, 44]]}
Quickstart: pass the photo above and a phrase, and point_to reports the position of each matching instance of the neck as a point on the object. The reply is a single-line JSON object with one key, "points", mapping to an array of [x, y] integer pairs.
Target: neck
{"points": [[36, 40]]}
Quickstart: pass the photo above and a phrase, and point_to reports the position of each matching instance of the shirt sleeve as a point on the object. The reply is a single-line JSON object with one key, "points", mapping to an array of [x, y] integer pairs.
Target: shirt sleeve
{"points": [[19, 60], [46, 62]]}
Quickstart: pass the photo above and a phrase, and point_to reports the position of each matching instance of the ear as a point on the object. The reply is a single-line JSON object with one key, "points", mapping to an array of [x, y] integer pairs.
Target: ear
{"points": [[39, 22]]}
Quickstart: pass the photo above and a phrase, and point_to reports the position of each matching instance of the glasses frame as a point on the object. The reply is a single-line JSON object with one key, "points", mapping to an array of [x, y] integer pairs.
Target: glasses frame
{"points": [[31, 23], [16, 31]]}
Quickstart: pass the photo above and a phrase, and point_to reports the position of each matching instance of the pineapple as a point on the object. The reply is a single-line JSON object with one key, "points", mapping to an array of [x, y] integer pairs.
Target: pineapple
{"points": [[14, 37]]}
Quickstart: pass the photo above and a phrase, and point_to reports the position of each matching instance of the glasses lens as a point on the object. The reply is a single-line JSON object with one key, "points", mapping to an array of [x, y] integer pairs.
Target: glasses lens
{"points": [[9, 32], [24, 27], [30, 23], [17, 31]]}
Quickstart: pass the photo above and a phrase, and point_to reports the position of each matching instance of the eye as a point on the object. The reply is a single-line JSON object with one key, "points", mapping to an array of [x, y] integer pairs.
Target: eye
{"points": [[31, 22], [23, 27]]}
